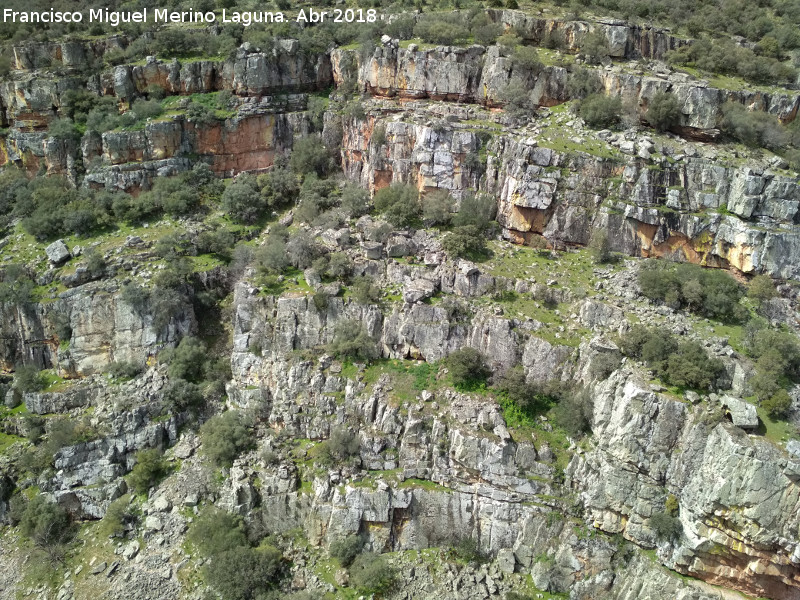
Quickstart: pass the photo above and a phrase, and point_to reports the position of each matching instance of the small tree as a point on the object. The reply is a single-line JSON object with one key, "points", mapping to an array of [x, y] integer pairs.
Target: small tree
{"points": [[600, 247], [778, 405], [224, 437], [47, 524], [399, 203], [437, 208], [150, 467], [351, 340], [216, 531], [371, 574], [346, 549], [244, 573], [468, 368], [187, 360], [663, 111], [762, 288], [666, 526], [600, 111]]}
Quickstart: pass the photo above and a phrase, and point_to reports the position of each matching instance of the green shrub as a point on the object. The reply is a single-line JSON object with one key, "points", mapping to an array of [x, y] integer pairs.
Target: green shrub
{"points": [[516, 99], [595, 47], [478, 210], [45, 523], [525, 60], [437, 208], [200, 114], [28, 378], [346, 549], [371, 574], [599, 110], [600, 247], [778, 405], [582, 83], [685, 364], [666, 526], [573, 413], [399, 203], [243, 200], [513, 385], [354, 200], [761, 288], [309, 155], [302, 250], [351, 340], [467, 550], [342, 446], [215, 531], [441, 29], [16, 285], [468, 368], [663, 111], [756, 129], [224, 437], [180, 395], [465, 242], [187, 360], [244, 573], [149, 469], [710, 292], [364, 290]]}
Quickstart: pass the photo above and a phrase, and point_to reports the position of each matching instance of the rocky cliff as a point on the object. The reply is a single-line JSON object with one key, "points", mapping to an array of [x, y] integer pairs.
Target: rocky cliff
{"points": [[645, 490]]}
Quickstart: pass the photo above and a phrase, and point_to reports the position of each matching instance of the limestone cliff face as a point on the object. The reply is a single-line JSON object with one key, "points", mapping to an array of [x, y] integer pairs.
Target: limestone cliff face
{"points": [[691, 210], [479, 75], [731, 489], [104, 329]]}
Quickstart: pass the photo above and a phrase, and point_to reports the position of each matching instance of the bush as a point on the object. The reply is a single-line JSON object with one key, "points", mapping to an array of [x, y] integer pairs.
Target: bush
{"points": [[309, 155], [477, 210], [27, 378], [244, 573], [271, 258], [525, 61], [467, 550], [595, 47], [599, 110], [243, 201], [761, 288], [302, 250], [441, 29], [187, 360], [582, 83], [465, 242], [180, 395], [666, 526], [224, 437], [399, 203], [600, 247], [778, 405], [215, 531], [354, 201], [16, 285], [371, 574], [756, 129], [468, 368], [346, 549], [517, 100], [710, 292], [200, 114], [437, 207], [364, 290], [573, 413], [45, 523], [532, 398], [685, 364], [662, 111], [351, 340], [340, 448], [149, 469]]}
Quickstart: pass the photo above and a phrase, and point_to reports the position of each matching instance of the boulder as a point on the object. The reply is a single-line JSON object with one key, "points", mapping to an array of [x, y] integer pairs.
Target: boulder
{"points": [[57, 252]]}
